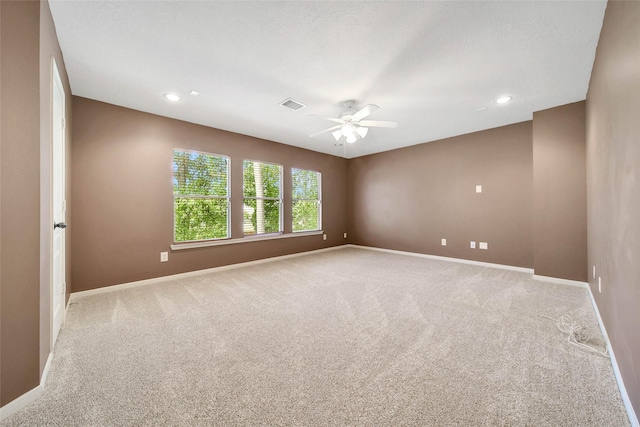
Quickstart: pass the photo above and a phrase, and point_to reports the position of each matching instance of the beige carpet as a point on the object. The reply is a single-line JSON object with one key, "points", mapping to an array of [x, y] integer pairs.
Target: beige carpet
{"points": [[346, 337]]}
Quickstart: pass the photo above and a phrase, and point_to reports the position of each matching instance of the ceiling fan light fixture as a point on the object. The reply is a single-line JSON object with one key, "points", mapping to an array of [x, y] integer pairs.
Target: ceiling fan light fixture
{"points": [[352, 126], [348, 130]]}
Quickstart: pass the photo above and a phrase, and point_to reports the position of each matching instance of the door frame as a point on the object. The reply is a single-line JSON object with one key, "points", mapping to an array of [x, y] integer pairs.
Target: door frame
{"points": [[56, 84]]}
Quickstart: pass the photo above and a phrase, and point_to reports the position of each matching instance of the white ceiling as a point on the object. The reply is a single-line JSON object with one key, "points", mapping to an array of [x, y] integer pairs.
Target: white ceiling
{"points": [[428, 65]]}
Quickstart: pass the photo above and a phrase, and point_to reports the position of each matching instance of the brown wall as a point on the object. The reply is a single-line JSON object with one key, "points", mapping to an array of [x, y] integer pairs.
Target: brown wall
{"points": [[28, 42], [560, 193], [409, 199], [123, 195], [49, 48], [613, 185], [20, 199]]}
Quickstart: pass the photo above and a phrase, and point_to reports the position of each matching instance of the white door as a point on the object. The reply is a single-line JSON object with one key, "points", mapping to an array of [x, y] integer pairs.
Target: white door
{"points": [[59, 204]]}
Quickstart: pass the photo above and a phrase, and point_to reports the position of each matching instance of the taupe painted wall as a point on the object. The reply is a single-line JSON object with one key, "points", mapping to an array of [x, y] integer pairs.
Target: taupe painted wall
{"points": [[613, 185], [20, 199], [411, 198], [49, 47], [406, 199], [123, 195], [28, 42], [560, 193]]}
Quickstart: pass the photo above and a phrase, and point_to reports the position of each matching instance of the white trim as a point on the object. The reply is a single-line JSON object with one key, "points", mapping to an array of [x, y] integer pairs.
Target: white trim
{"points": [[45, 371], [56, 84], [561, 281], [247, 239], [442, 258], [616, 370], [20, 402], [29, 397], [34, 394], [178, 276]]}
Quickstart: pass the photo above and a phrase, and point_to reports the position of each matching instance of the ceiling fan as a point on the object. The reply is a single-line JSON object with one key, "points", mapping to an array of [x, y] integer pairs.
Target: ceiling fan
{"points": [[351, 125]]}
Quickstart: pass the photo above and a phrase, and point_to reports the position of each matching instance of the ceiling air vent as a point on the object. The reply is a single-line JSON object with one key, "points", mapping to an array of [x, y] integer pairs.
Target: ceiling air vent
{"points": [[290, 103]]}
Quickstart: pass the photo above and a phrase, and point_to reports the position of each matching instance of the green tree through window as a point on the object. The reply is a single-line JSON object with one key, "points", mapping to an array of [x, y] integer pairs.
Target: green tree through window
{"points": [[306, 200], [200, 196], [262, 197]]}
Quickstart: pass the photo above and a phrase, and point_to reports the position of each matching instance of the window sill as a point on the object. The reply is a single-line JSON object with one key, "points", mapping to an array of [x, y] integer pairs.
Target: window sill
{"points": [[248, 239]]}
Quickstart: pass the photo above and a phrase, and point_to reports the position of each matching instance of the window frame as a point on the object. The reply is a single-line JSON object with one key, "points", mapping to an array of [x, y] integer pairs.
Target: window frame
{"points": [[280, 200], [318, 200], [227, 197]]}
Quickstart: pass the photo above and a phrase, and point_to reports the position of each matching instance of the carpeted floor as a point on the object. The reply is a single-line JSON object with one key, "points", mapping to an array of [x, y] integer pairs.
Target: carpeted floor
{"points": [[346, 337]]}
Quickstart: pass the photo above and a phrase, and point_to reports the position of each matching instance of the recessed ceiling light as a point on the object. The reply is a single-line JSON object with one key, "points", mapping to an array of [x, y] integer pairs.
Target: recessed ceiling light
{"points": [[172, 97], [503, 100], [194, 93]]}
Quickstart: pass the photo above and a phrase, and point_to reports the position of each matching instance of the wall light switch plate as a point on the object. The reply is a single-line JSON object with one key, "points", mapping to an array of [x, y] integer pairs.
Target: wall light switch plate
{"points": [[478, 188], [600, 285], [164, 256], [594, 271], [472, 245], [345, 235], [324, 237], [444, 242], [484, 245]]}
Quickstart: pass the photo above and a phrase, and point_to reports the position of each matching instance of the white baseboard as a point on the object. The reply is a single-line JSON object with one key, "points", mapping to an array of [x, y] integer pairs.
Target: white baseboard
{"points": [[35, 393], [45, 371], [112, 288], [29, 397], [20, 402], [442, 258], [616, 370], [561, 281], [32, 395]]}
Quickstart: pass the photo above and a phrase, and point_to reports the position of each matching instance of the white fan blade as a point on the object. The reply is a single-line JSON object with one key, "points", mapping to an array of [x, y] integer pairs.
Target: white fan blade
{"points": [[365, 112], [362, 132], [326, 130], [337, 134], [332, 119], [378, 123]]}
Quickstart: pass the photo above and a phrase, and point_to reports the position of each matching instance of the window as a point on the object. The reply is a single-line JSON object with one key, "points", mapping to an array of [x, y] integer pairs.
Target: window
{"points": [[201, 197], [262, 198], [306, 199]]}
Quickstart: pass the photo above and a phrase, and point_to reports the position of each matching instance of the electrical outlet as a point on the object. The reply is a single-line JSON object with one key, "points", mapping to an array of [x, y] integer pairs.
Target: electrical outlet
{"points": [[324, 237], [472, 245], [164, 256], [444, 242], [478, 188], [484, 245], [600, 285], [345, 235]]}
